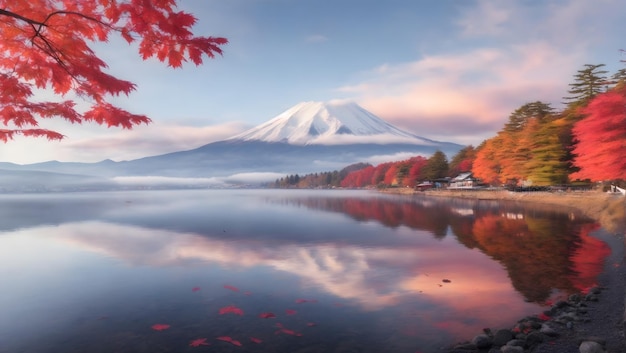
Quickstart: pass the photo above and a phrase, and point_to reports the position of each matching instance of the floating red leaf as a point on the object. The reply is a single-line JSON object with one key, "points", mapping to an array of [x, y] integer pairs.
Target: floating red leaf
{"points": [[256, 340], [289, 332], [231, 309], [233, 288], [195, 289], [267, 315], [229, 340], [160, 327], [199, 342], [291, 312]]}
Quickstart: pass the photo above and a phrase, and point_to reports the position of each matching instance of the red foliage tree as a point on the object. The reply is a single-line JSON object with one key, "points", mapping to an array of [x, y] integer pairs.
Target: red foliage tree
{"points": [[45, 46], [601, 136], [417, 163]]}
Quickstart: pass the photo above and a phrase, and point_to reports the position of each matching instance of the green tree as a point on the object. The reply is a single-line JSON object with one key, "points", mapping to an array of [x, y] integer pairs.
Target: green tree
{"points": [[436, 167], [521, 115], [588, 82]]}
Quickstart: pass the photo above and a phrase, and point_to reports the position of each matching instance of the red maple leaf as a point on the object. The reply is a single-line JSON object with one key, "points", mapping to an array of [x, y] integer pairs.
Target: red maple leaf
{"points": [[229, 340], [291, 312], [233, 288], [199, 342], [160, 327], [231, 309], [256, 340], [267, 315], [195, 289]]}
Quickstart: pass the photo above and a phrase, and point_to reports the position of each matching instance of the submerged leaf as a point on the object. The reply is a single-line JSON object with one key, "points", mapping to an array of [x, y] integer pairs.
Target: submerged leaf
{"points": [[195, 289], [256, 340], [291, 312], [229, 340], [267, 315], [233, 288], [160, 327], [199, 342], [231, 309]]}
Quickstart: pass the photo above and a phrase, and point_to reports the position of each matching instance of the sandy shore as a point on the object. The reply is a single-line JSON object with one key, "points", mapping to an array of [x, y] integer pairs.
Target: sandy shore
{"points": [[608, 209]]}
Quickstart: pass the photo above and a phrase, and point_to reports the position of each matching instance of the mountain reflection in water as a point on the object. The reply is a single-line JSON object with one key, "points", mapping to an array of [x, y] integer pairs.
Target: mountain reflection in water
{"points": [[374, 265]]}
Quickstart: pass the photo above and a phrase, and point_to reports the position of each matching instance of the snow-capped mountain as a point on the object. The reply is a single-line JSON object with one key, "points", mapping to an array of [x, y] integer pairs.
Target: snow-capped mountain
{"points": [[329, 123], [309, 137]]}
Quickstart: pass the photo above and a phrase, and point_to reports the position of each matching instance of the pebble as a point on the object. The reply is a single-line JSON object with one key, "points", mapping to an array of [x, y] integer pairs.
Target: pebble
{"points": [[591, 347], [512, 349]]}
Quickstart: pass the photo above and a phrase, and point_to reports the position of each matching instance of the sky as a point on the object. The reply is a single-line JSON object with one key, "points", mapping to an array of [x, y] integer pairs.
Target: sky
{"points": [[448, 70]]}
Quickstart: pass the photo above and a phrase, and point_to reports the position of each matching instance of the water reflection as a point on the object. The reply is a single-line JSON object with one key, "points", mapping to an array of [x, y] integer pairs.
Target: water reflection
{"points": [[375, 264], [543, 249]]}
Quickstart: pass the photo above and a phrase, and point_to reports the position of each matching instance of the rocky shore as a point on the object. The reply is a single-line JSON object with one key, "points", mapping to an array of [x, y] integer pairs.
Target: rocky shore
{"points": [[589, 322]]}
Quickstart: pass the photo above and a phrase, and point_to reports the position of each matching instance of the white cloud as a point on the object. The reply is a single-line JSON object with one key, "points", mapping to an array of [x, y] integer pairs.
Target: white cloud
{"points": [[526, 52]]}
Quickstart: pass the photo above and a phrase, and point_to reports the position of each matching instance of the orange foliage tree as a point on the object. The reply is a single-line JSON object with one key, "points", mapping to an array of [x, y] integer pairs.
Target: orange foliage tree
{"points": [[45, 46], [600, 150]]}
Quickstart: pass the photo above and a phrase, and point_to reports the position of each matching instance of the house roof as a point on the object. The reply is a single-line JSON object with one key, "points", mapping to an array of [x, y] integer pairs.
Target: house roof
{"points": [[463, 176]]}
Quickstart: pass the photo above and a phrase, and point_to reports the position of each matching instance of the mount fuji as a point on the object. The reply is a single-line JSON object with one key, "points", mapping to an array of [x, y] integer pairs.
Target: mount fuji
{"points": [[307, 138], [332, 123]]}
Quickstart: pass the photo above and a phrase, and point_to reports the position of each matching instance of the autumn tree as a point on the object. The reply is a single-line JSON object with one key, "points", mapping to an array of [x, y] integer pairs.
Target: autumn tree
{"points": [[600, 136], [46, 45], [462, 161], [588, 82], [486, 166]]}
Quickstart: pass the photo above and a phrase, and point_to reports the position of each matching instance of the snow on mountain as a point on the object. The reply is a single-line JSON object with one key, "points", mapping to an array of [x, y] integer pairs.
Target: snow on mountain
{"points": [[329, 123]]}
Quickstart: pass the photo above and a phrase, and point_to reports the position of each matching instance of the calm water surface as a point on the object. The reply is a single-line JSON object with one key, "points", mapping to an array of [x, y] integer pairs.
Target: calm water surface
{"points": [[342, 271]]}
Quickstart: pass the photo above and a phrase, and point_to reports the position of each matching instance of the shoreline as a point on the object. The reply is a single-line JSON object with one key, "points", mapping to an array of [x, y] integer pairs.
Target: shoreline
{"points": [[604, 324]]}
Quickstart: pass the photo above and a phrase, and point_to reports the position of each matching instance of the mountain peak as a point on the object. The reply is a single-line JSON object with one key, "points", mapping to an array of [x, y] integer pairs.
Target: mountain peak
{"points": [[329, 123]]}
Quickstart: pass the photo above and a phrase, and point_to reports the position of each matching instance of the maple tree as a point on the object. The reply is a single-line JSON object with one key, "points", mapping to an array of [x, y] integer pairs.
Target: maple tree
{"points": [[600, 136], [46, 45]]}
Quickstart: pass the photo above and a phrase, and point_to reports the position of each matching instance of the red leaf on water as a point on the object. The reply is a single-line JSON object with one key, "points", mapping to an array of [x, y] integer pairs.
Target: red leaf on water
{"points": [[290, 312], [267, 315], [195, 289], [234, 289], [160, 327], [255, 340], [289, 332], [229, 340], [199, 342], [231, 309]]}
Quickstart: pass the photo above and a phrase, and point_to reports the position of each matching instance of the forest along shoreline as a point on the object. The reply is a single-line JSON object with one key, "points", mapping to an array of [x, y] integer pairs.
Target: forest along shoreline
{"points": [[592, 322]]}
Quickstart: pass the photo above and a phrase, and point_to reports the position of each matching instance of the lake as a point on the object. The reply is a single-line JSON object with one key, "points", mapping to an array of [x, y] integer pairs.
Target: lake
{"points": [[278, 270]]}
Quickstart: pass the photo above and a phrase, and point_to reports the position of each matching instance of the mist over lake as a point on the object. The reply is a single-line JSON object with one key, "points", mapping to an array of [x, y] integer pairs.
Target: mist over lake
{"points": [[340, 270]]}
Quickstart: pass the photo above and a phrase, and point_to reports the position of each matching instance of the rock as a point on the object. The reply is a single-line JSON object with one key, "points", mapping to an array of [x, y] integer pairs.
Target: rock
{"points": [[574, 298], [501, 337], [512, 349], [516, 342], [590, 347], [548, 331], [534, 338], [597, 339], [446, 280], [465, 347], [482, 341], [591, 298]]}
